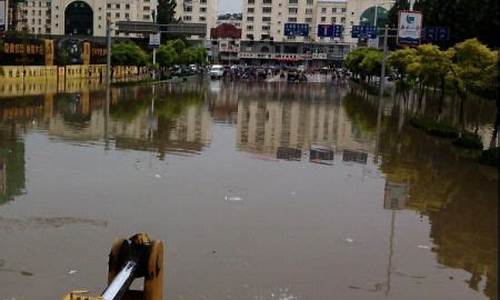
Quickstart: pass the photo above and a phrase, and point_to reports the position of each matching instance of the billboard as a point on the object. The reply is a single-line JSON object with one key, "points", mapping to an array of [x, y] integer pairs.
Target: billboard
{"points": [[296, 29], [410, 27], [3, 14]]}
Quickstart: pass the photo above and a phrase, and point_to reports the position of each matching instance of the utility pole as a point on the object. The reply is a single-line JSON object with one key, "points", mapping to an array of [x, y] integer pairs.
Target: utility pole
{"points": [[382, 72], [154, 50], [108, 56]]}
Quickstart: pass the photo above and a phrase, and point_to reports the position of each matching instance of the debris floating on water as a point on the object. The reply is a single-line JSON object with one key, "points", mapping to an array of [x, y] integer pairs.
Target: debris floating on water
{"points": [[72, 272], [233, 199], [158, 176], [424, 247], [349, 240]]}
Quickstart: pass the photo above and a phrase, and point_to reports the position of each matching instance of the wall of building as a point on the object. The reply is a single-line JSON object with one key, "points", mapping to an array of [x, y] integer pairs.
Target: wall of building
{"points": [[265, 19], [198, 11], [48, 17]]}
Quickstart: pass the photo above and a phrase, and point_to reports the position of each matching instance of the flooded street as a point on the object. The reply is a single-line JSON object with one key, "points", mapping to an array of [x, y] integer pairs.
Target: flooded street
{"points": [[259, 191]]}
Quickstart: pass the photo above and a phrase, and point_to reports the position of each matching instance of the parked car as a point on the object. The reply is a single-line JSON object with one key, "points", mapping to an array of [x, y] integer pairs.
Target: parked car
{"points": [[216, 71]]}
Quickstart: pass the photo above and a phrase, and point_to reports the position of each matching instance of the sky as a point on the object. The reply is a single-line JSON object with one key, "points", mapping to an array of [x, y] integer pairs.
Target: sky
{"points": [[229, 6]]}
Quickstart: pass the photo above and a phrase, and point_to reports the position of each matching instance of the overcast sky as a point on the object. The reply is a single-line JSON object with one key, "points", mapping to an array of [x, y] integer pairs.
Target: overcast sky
{"points": [[229, 6]]}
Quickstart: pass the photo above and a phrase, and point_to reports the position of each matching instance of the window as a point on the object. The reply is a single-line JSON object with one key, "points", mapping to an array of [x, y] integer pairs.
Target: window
{"points": [[323, 10], [266, 10], [266, 19], [293, 10]]}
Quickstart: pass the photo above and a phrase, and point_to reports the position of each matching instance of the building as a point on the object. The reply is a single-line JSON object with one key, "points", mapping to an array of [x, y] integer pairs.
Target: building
{"points": [[198, 11], [233, 19], [225, 39], [266, 19], [80, 17]]}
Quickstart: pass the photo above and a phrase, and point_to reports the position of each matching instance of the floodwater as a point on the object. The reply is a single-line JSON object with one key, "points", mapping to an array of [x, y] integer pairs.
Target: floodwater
{"points": [[260, 191]]}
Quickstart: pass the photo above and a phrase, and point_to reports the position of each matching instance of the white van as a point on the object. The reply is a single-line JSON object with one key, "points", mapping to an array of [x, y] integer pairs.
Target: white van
{"points": [[216, 71]]}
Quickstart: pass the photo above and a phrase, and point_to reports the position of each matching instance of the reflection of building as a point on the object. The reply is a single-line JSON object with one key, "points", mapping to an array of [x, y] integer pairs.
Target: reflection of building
{"points": [[81, 17], [396, 195], [223, 104], [3, 177], [12, 166], [264, 126]]}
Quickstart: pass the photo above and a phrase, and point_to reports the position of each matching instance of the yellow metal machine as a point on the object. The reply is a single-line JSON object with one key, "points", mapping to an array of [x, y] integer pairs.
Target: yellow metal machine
{"points": [[137, 257]]}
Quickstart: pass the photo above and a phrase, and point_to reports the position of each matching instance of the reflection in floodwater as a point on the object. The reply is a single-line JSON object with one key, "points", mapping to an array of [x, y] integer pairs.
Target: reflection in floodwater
{"points": [[331, 131], [12, 165], [46, 223]]}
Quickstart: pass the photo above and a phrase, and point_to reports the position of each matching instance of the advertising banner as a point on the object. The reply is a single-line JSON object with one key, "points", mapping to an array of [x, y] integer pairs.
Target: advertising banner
{"points": [[410, 27]]}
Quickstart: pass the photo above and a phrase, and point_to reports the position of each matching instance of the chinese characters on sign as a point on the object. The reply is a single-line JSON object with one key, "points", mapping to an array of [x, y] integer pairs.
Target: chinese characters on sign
{"points": [[434, 34], [333, 31], [14, 48], [296, 29], [364, 32], [410, 27]]}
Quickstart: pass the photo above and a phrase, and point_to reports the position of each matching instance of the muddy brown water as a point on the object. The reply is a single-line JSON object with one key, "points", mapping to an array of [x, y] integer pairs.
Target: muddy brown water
{"points": [[272, 192]]}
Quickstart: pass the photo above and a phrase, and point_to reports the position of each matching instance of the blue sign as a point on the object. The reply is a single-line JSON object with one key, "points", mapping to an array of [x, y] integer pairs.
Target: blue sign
{"points": [[296, 29], [326, 30], [434, 34], [364, 32]]}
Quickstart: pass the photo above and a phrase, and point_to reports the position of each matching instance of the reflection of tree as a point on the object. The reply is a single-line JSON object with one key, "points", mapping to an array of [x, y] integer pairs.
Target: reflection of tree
{"points": [[362, 113], [458, 197], [12, 165]]}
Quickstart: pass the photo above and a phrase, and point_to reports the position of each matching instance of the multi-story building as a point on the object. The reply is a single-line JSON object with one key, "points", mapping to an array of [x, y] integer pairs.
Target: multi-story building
{"points": [[266, 19], [81, 17], [198, 11], [233, 19]]}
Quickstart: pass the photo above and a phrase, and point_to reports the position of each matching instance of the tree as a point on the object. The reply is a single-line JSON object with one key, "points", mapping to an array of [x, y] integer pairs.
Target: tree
{"points": [[465, 19], [166, 56], [166, 11], [399, 61], [128, 54]]}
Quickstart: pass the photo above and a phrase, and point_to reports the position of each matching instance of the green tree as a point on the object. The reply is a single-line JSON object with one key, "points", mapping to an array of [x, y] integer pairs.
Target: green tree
{"points": [[128, 54], [364, 62], [166, 12], [166, 56]]}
